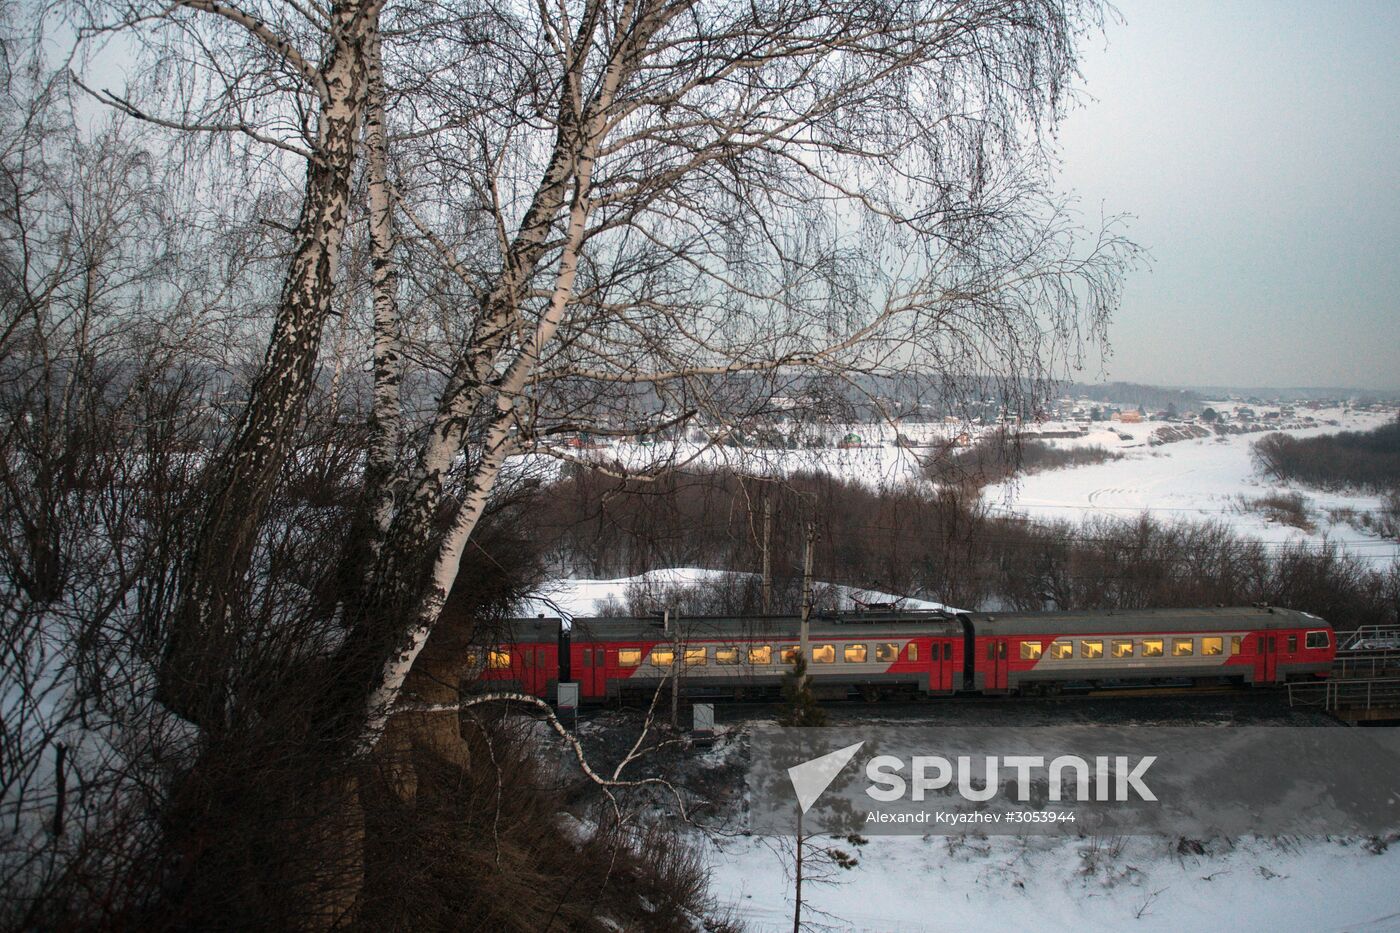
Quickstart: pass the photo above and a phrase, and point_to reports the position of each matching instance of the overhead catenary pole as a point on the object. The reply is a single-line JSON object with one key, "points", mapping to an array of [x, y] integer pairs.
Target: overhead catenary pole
{"points": [[767, 559], [675, 671], [807, 597]]}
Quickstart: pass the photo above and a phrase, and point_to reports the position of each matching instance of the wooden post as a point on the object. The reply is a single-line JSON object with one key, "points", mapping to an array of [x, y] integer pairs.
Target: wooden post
{"points": [[797, 877]]}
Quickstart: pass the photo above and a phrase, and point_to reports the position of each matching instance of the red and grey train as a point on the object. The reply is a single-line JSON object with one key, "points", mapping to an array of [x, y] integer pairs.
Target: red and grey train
{"points": [[873, 653]]}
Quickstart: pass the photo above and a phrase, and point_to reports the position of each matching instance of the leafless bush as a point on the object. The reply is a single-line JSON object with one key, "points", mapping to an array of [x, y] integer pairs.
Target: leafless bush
{"points": [[1288, 508], [898, 539], [1385, 521], [1351, 459], [942, 544], [1000, 457]]}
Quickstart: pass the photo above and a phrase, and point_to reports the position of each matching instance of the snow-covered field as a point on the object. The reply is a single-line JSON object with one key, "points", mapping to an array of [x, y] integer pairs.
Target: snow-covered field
{"points": [[906, 883], [1198, 479]]}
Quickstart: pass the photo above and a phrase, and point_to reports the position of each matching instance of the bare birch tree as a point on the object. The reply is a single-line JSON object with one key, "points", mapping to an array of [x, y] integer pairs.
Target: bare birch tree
{"points": [[657, 212], [626, 217], [304, 71]]}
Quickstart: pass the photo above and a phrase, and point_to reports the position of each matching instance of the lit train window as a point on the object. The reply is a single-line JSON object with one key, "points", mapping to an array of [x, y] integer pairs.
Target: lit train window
{"points": [[790, 653], [913, 651], [1030, 650], [1183, 647], [888, 651], [473, 658], [1292, 643], [761, 654], [498, 660], [1212, 645], [1091, 649], [1061, 650], [855, 654], [823, 654], [629, 657], [1152, 647], [1122, 649], [662, 657], [1236, 643], [726, 655], [695, 657], [1317, 640]]}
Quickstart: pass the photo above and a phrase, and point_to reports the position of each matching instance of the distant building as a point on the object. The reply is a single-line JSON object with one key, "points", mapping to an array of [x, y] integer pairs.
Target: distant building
{"points": [[1128, 417]]}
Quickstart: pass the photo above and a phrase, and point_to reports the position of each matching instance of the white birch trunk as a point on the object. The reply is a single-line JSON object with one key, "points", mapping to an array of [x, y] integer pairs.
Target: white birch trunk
{"points": [[386, 414], [497, 447]]}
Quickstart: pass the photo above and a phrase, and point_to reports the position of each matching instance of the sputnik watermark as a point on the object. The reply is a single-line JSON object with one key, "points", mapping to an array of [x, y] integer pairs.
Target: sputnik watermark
{"points": [[1067, 777], [1114, 777], [812, 777], [1055, 779]]}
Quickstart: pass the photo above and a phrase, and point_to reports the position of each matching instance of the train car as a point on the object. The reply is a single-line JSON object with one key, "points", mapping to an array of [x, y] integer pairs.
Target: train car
{"points": [[860, 653], [526, 660], [1049, 651], [919, 653]]}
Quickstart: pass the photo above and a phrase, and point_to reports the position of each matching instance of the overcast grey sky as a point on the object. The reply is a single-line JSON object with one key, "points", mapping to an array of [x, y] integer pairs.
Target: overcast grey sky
{"points": [[1258, 145]]}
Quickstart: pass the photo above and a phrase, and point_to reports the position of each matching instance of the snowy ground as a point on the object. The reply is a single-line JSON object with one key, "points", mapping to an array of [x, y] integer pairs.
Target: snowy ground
{"points": [[907, 883], [973, 883], [586, 598], [1194, 480]]}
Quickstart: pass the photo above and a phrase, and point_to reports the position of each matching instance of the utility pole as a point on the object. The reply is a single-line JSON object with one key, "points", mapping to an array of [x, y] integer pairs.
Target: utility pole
{"points": [[675, 671], [807, 596], [767, 560]]}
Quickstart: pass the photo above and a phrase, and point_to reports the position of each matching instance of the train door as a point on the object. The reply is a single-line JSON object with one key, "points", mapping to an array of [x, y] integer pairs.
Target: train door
{"points": [[534, 669], [996, 663], [592, 674], [946, 673], [1265, 658]]}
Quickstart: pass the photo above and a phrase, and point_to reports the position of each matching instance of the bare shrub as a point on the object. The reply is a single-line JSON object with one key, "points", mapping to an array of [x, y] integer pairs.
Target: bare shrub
{"points": [[999, 457], [942, 544], [1349, 460], [1287, 508]]}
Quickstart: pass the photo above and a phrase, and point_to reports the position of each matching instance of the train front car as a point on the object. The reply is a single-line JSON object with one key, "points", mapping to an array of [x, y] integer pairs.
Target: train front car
{"points": [[522, 657], [1052, 651], [868, 654]]}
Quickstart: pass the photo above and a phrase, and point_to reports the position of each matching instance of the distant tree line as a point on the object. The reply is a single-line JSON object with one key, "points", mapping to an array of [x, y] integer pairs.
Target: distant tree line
{"points": [[1132, 394], [996, 458], [1349, 460], [942, 544]]}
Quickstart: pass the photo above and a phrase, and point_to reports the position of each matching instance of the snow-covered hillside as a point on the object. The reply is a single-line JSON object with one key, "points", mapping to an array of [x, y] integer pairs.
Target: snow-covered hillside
{"points": [[584, 598]]}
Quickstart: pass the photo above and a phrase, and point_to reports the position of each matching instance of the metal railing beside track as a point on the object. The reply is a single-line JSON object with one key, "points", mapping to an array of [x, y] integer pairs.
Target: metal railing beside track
{"points": [[1362, 664], [1369, 638], [1358, 694]]}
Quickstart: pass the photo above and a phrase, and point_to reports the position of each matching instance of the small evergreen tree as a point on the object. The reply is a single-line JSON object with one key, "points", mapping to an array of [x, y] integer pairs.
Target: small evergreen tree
{"points": [[799, 705]]}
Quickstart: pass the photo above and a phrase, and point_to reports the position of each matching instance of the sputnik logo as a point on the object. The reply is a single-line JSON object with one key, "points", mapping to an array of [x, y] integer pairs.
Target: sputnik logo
{"points": [[811, 778]]}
